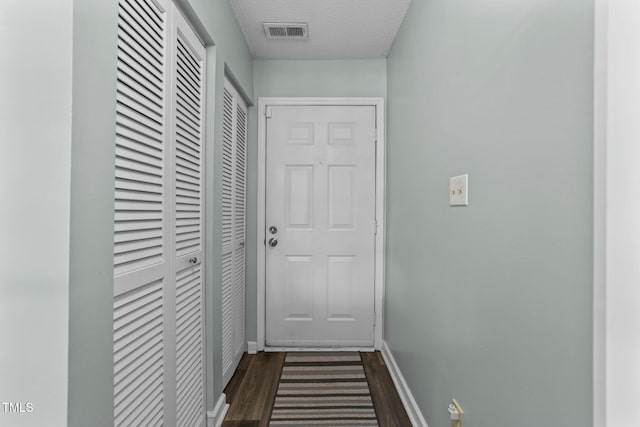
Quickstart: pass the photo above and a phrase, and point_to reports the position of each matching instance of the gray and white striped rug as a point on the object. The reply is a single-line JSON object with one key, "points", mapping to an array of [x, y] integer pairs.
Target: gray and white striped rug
{"points": [[323, 389]]}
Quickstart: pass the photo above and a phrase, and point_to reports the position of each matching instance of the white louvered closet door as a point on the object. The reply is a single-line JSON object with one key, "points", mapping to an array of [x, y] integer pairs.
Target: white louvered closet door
{"points": [[187, 130], [158, 305], [141, 238], [233, 229]]}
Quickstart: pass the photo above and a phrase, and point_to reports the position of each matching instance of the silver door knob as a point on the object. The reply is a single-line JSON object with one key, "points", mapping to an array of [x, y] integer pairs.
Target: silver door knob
{"points": [[273, 229], [193, 260], [273, 242]]}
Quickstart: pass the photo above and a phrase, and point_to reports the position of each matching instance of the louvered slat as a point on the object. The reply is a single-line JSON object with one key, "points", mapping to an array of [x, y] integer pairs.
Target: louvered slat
{"points": [[227, 169], [188, 150], [227, 311], [138, 356], [238, 302], [188, 221], [140, 132], [239, 219], [190, 347], [240, 185]]}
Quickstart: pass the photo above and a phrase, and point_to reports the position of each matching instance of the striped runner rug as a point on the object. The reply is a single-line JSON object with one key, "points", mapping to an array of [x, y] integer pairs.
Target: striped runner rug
{"points": [[323, 389]]}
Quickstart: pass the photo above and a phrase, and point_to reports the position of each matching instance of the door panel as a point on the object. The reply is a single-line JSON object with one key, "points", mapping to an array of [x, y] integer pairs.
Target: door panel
{"points": [[320, 196], [299, 193], [341, 288], [234, 143], [138, 353], [142, 254], [340, 197], [299, 288], [188, 224], [189, 347]]}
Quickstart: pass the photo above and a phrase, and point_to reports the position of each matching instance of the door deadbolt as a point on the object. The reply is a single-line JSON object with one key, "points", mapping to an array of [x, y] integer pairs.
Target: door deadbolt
{"points": [[273, 229], [273, 242]]}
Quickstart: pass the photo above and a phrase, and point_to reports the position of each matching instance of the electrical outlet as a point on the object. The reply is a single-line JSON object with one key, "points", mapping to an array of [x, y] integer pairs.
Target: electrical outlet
{"points": [[459, 190]]}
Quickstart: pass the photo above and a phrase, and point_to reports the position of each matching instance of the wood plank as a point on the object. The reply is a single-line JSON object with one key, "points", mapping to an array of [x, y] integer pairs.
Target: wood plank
{"points": [[386, 401], [241, 424], [253, 399], [231, 390]]}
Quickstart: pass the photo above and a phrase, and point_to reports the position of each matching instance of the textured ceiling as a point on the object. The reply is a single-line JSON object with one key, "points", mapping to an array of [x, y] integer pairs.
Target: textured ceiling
{"points": [[338, 29]]}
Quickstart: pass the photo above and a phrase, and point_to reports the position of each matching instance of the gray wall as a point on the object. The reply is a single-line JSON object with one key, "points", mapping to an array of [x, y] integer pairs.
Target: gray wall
{"points": [[290, 78], [285, 78], [491, 303], [35, 139], [92, 198]]}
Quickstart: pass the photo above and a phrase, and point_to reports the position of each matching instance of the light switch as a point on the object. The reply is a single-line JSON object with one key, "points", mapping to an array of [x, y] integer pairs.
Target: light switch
{"points": [[458, 190]]}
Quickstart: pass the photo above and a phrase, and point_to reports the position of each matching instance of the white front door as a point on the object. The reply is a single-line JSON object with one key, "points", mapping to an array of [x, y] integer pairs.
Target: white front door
{"points": [[320, 220]]}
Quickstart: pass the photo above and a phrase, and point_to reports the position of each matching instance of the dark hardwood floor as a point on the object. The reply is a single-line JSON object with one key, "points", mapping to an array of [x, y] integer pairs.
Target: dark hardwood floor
{"points": [[252, 390]]}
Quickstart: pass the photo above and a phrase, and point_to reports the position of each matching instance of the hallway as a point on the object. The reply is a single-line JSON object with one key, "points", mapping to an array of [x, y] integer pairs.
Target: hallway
{"points": [[134, 177], [252, 390]]}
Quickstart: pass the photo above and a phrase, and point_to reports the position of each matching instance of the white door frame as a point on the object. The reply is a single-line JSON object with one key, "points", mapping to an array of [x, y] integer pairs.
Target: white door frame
{"points": [[378, 103]]}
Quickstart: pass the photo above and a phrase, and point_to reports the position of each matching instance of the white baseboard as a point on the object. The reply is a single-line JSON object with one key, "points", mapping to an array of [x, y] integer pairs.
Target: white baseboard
{"points": [[409, 402], [216, 417], [252, 347], [322, 349]]}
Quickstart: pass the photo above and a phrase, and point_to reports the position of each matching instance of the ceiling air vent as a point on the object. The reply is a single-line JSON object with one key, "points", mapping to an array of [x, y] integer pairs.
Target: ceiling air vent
{"points": [[285, 31]]}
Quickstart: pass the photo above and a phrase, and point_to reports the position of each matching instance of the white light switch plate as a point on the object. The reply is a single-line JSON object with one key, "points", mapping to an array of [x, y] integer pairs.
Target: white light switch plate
{"points": [[459, 190]]}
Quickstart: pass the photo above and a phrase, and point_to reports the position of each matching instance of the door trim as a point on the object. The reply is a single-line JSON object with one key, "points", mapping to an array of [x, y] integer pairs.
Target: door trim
{"points": [[378, 104]]}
